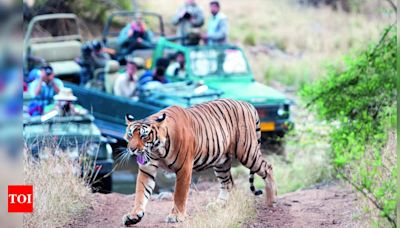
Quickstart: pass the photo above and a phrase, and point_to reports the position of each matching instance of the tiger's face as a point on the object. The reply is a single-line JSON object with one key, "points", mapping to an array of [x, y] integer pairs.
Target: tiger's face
{"points": [[144, 138]]}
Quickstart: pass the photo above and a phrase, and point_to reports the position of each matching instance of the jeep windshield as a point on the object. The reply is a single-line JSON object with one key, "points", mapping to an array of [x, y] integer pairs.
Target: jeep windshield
{"points": [[218, 61]]}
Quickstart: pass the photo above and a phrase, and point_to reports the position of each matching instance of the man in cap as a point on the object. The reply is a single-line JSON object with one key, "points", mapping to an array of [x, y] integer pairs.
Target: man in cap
{"points": [[189, 20], [42, 89], [217, 28], [46, 86], [125, 84]]}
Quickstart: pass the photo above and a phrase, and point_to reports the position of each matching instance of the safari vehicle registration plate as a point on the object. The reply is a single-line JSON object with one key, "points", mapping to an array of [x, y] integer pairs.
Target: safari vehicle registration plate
{"points": [[267, 126]]}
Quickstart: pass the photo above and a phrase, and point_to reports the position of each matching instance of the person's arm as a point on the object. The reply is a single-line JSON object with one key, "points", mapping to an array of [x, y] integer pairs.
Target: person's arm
{"points": [[100, 59], [147, 39], [123, 35], [35, 87], [57, 85], [177, 18], [197, 17]]}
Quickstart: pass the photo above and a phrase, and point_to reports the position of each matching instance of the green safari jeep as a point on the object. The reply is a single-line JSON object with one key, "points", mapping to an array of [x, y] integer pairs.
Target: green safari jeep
{"points": [[225, 68]]}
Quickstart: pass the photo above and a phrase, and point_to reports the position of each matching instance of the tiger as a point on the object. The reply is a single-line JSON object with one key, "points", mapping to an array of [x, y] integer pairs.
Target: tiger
{"points": [[206, 135]]}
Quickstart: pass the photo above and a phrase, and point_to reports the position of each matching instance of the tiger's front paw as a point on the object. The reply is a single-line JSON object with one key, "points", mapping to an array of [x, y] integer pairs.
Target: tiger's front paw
{"points": [[130, 219], [175, 217]]}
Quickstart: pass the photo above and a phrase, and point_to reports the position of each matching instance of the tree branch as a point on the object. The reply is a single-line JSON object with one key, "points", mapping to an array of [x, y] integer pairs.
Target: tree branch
{"points": [[392, 4], [368, 196]]}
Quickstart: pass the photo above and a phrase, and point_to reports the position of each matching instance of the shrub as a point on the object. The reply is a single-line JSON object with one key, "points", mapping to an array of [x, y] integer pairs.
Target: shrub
{"points": [[361, 99]]}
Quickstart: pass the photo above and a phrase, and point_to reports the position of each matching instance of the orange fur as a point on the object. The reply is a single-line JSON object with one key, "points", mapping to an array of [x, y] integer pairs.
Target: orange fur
{"points": [[204, 136]]}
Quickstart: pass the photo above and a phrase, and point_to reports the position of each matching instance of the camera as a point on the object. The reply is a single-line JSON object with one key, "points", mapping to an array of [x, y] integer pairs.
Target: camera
{"points": [[186, 16]]}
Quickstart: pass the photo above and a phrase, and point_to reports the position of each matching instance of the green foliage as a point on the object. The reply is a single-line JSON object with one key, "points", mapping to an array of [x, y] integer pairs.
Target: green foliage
{"points": [[361, 100], [97, 10]]}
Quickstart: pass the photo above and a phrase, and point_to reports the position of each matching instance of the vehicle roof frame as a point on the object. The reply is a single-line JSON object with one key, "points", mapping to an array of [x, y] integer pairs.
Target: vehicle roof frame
{"points": [[106, 30]]}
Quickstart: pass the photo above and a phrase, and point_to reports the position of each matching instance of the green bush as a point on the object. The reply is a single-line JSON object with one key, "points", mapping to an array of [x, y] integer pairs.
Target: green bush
{"points": [[95, 11], [361, 100]]}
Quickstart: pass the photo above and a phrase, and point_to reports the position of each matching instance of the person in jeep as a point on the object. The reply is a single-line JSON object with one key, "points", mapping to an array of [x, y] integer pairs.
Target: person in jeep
{"points": [[217, 28], [85, 62], [43, 89], [188, 20], [125, 84], [99, 57], [177, 68], [64, 104], [134, 35]]}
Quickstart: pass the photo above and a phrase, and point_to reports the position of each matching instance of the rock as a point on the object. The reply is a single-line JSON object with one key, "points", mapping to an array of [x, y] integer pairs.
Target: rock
{"points": [[165, 196]]}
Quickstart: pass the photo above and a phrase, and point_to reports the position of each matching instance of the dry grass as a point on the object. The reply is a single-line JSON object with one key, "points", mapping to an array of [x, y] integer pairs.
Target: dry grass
{"points": [[305, 39], [59, 192], [239, 208]]}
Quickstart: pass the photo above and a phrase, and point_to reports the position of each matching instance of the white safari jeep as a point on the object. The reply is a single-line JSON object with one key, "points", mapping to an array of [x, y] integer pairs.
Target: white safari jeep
{"points": [[54, 38]]}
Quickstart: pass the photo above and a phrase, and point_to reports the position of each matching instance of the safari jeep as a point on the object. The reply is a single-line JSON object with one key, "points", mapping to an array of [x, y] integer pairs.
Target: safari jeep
{"points": [[226, 69], [78, 137], [55, 39]]}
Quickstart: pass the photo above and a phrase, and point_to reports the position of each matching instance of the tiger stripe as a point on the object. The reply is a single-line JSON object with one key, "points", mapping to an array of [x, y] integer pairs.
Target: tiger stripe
{"points": [[208, 135]]}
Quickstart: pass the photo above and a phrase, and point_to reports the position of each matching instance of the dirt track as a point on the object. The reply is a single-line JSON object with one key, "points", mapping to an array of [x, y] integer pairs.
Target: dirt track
{"points": [[327, 206]]}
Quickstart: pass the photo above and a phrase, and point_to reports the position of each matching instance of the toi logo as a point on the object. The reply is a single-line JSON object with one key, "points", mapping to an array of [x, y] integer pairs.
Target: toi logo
{"points": [[20, 198]]}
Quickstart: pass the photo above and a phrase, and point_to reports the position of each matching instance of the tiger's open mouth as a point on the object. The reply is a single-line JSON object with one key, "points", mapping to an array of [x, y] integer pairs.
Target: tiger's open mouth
{"points": [[141, 158]]}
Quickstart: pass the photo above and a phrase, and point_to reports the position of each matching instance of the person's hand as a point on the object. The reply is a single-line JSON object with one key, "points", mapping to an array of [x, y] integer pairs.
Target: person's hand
{"points": [[182, 14], [139, 40], [50, 79], [130, 32], [43, 76]]}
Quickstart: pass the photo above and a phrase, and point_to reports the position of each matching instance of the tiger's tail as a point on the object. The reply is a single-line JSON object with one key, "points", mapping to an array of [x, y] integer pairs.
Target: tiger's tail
{"points": [[252, 188]]}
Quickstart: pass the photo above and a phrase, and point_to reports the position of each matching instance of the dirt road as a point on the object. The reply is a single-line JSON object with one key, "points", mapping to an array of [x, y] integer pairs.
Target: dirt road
{"points": [[327, 206]]}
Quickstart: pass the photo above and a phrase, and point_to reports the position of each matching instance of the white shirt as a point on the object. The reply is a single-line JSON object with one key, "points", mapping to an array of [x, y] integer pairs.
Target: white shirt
{"points": [[123, 86]]}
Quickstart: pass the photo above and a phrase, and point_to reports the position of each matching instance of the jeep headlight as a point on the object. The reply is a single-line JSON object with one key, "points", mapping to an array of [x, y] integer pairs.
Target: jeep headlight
{"points": [[281, 111]]}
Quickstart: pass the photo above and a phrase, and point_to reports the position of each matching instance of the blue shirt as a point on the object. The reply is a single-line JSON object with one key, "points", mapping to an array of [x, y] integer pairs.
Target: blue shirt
{"points": [[34, 74], [217, 30], [46, 93]]}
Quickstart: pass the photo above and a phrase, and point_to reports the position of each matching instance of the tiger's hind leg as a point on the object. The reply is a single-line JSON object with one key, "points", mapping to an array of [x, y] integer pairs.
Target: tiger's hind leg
{"points": [[265, 170], [258, 165]]}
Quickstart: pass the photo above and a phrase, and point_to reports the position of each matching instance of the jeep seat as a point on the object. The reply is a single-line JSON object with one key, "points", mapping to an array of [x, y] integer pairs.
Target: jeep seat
{"points": [[60, 55]]}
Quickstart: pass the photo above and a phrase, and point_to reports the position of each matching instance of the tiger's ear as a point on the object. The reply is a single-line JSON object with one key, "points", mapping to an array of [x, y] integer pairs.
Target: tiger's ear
{"points": [[129, 118], [161, 118]]}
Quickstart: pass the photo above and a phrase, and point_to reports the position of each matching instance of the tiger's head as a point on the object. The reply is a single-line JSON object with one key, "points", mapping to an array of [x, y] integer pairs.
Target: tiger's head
{"points": [[145, 138]]}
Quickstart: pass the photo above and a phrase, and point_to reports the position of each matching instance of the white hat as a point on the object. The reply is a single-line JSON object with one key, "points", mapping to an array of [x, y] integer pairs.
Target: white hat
{"points": [[65, 94]]}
